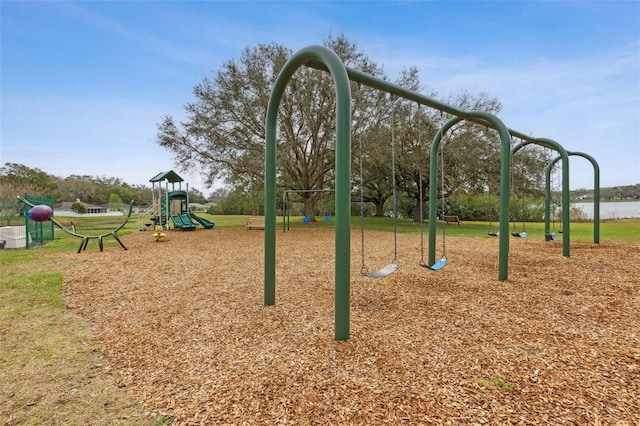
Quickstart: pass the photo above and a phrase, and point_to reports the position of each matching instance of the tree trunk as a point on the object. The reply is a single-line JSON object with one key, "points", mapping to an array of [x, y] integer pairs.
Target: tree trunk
{"points": [[310, 209], [379, 209], [416, 213]]}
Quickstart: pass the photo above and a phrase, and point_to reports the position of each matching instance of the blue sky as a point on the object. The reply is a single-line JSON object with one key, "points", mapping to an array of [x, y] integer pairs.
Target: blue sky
{"points": [[84, 84]]}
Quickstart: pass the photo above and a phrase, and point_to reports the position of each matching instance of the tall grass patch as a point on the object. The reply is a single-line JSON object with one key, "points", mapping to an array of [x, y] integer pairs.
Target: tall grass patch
{"points": [[51, 372]]}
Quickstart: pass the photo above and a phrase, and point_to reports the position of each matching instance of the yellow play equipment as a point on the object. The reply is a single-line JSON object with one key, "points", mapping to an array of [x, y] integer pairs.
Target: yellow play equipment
{"points": [[159, 233]]}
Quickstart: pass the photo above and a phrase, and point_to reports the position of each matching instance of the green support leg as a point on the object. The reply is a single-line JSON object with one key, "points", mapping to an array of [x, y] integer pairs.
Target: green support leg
{"points": [[343, 181]]}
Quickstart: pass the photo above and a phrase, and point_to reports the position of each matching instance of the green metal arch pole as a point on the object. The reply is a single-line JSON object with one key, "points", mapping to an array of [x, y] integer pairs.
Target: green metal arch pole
{"points": [[547, 195], [342, 185], [596, 193], [551, 144], [505, 185]]}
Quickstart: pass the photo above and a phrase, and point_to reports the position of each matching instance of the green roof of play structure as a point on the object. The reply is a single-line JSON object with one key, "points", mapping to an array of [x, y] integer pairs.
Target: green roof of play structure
{"points": [[170, 176]]}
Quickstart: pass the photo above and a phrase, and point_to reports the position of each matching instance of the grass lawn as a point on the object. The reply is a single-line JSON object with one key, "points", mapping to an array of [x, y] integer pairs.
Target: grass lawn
{"points": [[51, 372], [618, 230]]}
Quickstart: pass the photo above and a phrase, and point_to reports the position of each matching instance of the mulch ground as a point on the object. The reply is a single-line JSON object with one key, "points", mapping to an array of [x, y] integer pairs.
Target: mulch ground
{"points": [[184, 325]]}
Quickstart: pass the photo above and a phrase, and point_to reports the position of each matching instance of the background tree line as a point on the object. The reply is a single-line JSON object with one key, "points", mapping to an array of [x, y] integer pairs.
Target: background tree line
{"points": [[224, 135], [624, 192], [18, 179]]}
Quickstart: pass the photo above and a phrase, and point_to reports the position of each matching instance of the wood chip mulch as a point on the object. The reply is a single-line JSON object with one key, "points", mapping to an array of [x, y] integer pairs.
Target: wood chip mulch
{"points": [[184, 325]]}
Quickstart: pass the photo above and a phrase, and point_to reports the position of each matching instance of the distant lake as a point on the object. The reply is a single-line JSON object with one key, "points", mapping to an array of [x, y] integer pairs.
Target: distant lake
{"points": [[617, 210]]}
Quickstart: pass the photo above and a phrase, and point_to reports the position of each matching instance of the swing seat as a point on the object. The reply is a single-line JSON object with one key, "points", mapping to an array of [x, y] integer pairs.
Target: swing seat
{"points": [[390, 268], [494, 234], [550, 237], [519, 234], [438, 265]]}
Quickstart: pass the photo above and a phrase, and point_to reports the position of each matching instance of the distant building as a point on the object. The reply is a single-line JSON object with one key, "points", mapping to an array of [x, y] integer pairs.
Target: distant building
{"points": [[64, 209], [197, 207]]}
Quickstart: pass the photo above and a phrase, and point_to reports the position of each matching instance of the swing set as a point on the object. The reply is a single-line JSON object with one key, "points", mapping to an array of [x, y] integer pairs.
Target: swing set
{"points": [[442, 262], [551, 234], [322, 58], [394, 264], [565, 205], [286, 205], [523, 231]]}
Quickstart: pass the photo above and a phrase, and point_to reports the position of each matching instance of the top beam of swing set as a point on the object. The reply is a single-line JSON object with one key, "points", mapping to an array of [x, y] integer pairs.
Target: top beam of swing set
{"points": [[482, 118], [322, 58]]}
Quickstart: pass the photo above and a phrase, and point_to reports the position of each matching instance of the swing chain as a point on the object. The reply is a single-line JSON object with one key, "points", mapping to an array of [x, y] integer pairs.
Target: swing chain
{"points": [[393, 183], [394, 263], [421, 189], [363, 268], [444, 222]]}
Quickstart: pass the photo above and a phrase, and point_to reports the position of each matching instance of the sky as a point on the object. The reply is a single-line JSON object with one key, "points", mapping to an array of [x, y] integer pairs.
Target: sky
{"points": [[83, 85]]}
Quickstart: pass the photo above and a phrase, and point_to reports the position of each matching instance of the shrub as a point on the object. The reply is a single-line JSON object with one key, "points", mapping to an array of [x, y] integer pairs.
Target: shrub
{"points": [[79, 207]]}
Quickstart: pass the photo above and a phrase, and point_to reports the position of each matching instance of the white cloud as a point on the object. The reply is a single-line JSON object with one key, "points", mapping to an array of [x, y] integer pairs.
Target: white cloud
{"points": [[590, 105]]}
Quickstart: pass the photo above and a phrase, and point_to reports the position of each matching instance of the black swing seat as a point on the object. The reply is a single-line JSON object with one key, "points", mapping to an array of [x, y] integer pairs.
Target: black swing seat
{"points": [[390, 268], [519, 234], [493, 234], [550, 237]]}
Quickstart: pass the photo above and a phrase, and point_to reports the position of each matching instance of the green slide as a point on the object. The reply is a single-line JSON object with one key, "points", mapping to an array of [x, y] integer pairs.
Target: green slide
{"points": [[180, 222], [207, 224]]}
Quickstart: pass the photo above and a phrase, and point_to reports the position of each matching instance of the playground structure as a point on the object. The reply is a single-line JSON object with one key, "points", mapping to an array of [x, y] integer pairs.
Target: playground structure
{"points": [[173, 205], [86, 238], [324, 59]]}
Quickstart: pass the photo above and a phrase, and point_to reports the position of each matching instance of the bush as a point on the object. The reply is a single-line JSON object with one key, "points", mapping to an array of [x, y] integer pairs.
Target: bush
{"points": [[79, 207], [470, 207], [487, 208]]}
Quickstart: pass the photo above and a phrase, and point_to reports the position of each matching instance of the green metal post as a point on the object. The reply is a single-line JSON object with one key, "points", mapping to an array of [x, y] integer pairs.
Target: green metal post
{"points": [[343, 180], [505, 184], [596, 194], [547, 197], [27, 229], [551, 144], [596, 191]]}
